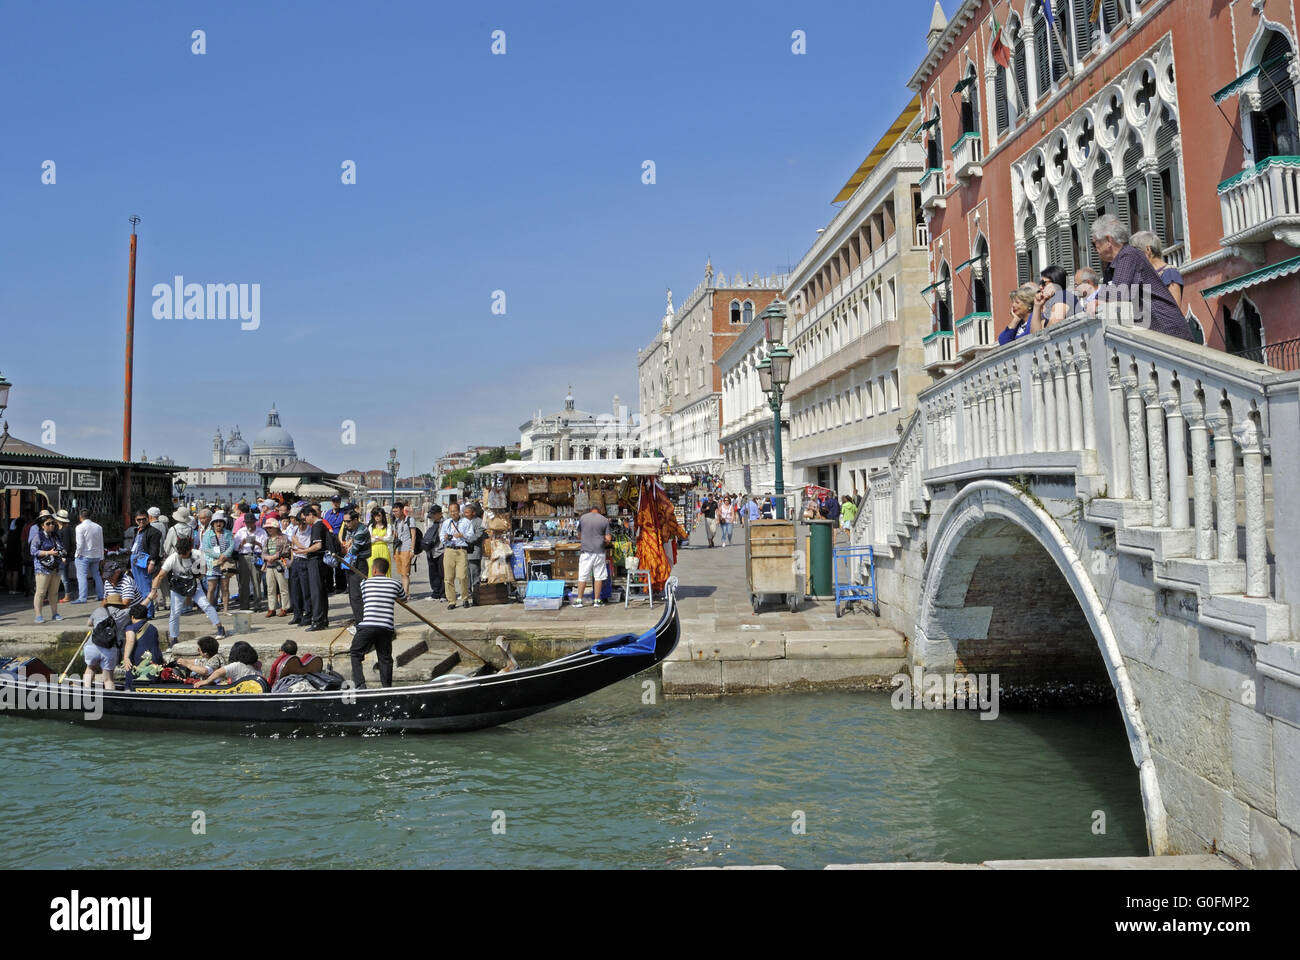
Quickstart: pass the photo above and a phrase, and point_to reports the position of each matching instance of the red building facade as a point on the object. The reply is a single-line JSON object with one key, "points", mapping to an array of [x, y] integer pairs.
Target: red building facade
{"points": [[1177, 116]]}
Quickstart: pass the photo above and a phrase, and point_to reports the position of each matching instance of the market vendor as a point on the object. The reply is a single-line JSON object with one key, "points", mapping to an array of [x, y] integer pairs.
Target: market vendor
{"points": [[596, 535]]}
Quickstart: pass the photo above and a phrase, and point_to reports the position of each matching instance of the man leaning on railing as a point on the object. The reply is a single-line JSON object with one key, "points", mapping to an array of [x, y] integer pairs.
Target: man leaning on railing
{"points": [[1129, 275]]}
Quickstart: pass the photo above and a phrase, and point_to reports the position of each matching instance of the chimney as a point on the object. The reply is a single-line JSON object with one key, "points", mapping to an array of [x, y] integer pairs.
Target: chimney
{"points": [[938, 23]]}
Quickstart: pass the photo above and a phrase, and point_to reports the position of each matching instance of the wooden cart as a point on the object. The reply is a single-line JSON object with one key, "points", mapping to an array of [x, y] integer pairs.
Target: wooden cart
{"points": [[769, 562]]}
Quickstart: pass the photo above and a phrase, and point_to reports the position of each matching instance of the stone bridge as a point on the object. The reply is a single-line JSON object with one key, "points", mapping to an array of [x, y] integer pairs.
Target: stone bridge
{"points": [[1099, 504]]}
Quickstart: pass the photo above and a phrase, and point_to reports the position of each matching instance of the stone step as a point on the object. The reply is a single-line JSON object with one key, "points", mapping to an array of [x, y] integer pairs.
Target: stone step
{"points": [[1109, 512], [1203, 577], [1156, 543], [1261, 619]]}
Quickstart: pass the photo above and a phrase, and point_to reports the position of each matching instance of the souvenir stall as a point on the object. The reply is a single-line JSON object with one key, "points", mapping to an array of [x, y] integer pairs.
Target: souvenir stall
{"points": [[681, 490], [532, 510]]}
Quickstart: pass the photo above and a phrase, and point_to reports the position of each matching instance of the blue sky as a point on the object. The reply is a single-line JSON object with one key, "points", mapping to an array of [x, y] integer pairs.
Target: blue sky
{"points": [[474, 173]]}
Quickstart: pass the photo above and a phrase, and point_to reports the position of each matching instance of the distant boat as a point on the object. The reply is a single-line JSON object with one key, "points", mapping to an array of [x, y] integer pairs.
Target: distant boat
{"points": [[449, 704]]}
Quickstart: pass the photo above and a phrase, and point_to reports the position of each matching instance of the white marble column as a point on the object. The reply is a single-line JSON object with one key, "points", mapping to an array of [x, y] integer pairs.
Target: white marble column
{"points": [[1038, 409], [1017, 430], [1050, 420], [1202, 494], [1137, 441], [1075, 401], [1085, 394], [1122, 488], [1247, 434], [1156, 454], [1178, 516], [1225, 474], [1062, 403]]}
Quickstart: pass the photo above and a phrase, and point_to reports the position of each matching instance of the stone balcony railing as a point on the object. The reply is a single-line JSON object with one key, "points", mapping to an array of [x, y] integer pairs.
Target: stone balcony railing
{"points": [[932, 190], [875, 341], [975, 335], [1262, 203], [967, 155], [939, 351], [869, 266], [1171, 443]]}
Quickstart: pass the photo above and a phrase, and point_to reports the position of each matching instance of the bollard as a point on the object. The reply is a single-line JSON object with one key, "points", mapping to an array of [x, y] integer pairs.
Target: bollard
{"points": [[241, 621]]}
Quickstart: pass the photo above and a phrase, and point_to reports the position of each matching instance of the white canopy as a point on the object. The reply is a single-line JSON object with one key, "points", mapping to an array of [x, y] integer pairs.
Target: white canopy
{"points": [[631, 467], [680, 478]]}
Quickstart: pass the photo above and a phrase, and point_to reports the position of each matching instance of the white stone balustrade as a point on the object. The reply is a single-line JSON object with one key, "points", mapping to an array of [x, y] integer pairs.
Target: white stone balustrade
{"points": [[1172, 423], [967, 155], [975, 334], [1259, 201]]}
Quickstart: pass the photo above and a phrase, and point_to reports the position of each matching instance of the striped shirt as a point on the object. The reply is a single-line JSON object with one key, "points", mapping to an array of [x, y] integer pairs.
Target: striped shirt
{"points": [[127, 589], [377, 597]]}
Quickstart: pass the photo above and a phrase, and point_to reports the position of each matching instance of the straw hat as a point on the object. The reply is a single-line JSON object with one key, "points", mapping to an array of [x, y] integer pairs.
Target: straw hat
{"points": [[114, 600], [62, 517]]}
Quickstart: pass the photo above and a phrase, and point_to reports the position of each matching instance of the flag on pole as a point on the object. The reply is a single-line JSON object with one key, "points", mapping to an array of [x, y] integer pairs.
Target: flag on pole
{"points": [[1096, 12], [1056, 32], [1001, 52]]}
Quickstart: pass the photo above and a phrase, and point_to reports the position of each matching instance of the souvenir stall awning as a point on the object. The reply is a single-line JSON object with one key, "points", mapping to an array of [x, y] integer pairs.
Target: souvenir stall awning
{"points": [[679, 478], [631, 467]]}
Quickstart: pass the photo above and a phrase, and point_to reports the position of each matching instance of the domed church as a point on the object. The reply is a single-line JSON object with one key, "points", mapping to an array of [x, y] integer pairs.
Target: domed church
{"points": [[273, 447]]}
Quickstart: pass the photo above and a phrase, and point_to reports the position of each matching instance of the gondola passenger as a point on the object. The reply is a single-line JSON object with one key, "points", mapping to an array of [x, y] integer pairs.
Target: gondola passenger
{"points": [[209, 658], [243, 663]]}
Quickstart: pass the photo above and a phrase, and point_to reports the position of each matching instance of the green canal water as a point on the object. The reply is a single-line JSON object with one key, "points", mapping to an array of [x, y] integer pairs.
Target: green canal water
{"points": [[605, 782]]}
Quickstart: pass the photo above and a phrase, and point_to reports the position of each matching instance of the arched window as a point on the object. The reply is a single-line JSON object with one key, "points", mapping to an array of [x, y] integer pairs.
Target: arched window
{"points": [[1042, 49], [735, 311], [970, 108], [1243, 334], [943, 299], [703, 367], [1020, 69], [1273, 125], [1194, 325], [980, 278], [747, 312], [934, 146]]}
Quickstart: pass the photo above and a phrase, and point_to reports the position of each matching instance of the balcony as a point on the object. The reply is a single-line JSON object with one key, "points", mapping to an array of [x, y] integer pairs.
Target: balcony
{"points": [[932, 190], [939, 351], [967, 155], [975, 335], [1261, 204], [875, 341]]}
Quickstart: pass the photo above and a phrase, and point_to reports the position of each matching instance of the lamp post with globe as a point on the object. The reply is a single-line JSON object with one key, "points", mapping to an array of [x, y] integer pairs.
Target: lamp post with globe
{"points": [[773, 377]]}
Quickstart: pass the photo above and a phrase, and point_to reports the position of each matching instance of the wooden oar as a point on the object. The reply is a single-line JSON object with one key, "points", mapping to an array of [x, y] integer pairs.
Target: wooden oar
{"points": [[419, 616], [64, 675], [330, 654]]}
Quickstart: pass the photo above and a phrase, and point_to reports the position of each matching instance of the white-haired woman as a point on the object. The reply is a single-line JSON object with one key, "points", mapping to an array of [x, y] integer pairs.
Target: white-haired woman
{"points": [[1022, 314], [1130, 275], [1149, 243]]}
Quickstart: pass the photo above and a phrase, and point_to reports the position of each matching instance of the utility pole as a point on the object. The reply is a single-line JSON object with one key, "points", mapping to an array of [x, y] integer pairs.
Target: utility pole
{"points": [[130, 364]]}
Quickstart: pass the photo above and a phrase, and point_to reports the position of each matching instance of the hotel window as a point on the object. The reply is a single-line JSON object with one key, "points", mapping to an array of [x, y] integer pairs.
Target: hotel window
{"points": [[970, 108], [1020, 67], [943, 299], [1042, 50], [735, 311], [1273, 125], [980, 282], [933, 156]]}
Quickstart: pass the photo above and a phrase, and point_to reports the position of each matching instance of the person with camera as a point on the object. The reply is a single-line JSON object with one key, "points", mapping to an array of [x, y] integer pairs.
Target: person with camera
{"points": [[355, 540], [47, 553], [183, 573]]}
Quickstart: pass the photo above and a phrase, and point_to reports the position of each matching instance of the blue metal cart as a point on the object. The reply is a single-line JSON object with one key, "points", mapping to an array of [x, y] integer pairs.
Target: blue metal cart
{"points": [[846, 591]]}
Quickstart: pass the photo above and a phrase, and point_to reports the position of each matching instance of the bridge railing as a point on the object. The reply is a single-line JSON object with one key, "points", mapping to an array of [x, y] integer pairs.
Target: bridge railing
{"points": [[1182, 429]]}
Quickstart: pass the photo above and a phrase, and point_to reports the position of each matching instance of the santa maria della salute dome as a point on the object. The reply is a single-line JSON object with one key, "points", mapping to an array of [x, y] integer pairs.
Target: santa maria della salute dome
{"points": [[273, 447]]}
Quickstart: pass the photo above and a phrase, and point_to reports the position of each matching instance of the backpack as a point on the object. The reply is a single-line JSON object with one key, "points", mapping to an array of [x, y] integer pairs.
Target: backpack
{"points": [[417, 538], [104, 633]]}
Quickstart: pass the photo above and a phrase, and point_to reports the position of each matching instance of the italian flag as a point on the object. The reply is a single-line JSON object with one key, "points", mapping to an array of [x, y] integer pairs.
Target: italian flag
{"points": [[1001, 52]]}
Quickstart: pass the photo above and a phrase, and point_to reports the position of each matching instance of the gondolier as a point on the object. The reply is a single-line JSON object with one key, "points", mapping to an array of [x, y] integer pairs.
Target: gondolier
{"points": [[377, 629]]}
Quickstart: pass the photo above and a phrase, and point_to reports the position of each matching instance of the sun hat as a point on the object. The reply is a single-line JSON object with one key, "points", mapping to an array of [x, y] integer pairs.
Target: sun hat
{"points": [[114, 600], [271, 522], [220, 515], [62, 517], [181, 515]]}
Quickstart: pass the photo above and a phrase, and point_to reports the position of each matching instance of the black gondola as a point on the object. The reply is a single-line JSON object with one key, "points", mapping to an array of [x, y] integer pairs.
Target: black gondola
{"points": [[449, 704]]}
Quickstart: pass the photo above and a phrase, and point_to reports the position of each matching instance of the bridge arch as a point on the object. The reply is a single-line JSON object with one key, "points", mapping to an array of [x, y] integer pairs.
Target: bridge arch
{"points": [[950, 565]]}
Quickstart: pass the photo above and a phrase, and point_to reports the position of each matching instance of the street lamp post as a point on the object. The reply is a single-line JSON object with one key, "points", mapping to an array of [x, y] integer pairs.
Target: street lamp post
{"points": [[392, 471], [773, 377], [4, 405]]}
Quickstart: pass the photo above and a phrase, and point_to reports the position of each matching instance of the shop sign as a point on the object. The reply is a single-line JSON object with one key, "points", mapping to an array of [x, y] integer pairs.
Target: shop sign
{"points": [[32, 478], [85, 480]]}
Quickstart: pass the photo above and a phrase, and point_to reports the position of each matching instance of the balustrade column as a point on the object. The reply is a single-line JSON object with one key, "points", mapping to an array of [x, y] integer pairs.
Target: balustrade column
{"points": [[990, 423], [1089, 412], [1076, 408], [1225, 471], [1178, 517], [1049, 410], [981, 424], [1156, 452], [1202, 495], [1118, 438], [1017, 431], [1062, 405], [1137, 441], [1000, 418], [968, 420], [1037, 412], [1252, 456]]}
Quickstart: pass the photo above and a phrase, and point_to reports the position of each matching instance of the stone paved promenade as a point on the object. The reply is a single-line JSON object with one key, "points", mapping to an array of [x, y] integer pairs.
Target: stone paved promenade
{"points": [[721, 633]]}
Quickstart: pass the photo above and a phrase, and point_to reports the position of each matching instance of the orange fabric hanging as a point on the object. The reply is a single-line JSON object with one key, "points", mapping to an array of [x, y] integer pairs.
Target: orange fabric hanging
{"points": [[650, 537]]}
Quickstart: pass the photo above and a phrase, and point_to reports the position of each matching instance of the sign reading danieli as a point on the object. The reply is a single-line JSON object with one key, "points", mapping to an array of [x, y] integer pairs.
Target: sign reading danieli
{"points": [[30, 478]]}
